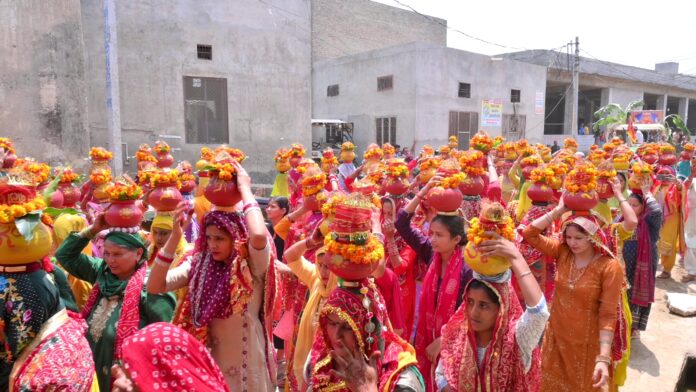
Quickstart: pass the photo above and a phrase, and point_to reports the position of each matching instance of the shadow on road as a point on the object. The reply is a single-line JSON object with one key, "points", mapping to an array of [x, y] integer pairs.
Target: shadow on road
{"points": [[643, 360]]}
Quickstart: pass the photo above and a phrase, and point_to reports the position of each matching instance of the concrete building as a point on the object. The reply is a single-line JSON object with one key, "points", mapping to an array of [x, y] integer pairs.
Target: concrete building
{"points": [[207, 72], [602, 82], [42, 88], [422, 93]]}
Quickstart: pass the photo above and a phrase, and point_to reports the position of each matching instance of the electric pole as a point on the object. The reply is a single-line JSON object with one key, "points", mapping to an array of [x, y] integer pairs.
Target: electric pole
{"points": [[113, 95], [575, 89]]}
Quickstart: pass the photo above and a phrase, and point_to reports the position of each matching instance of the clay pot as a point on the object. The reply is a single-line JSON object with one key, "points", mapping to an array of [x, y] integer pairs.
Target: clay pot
{"points": [[294, 161], [580, 201], [123, 213], [527, 171], [425, 175], [188, 186], [604, 190], [14, 249], [668, 159], [9, 161], [164, 197], [71, 194], [650, 159], [222, 193], [487, 266], [540, 192], [201, 164], [685, 155], [56, 200], [312, 203], [347, 270], [347, 156], [164, 160], [472, 186], [620, 165], [396, 186], [283, 166], [445, 199]]}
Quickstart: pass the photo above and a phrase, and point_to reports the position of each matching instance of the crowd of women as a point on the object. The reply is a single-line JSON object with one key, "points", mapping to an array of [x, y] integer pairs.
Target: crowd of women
{"points": [[502, 267]]}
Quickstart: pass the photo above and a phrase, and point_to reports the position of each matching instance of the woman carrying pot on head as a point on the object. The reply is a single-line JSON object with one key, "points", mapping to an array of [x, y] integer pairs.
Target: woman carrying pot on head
{"points": [[118, 305], [577, 348], [490, 343], [442, 250], [230, 284]]}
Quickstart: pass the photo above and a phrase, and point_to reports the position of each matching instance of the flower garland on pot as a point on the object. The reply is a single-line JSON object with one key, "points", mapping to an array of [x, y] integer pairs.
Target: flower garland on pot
{"points": [[605, 174], [389, 150], [329, 162], [570, 144], [482, 142], [100, 176], [373, 153], [165, 177], [100, 154], [639, 171], [121, 191], [580, 184], [597, 156], [493, 218], [396, 177], [39, 170], [470, 162], [8, 213]]}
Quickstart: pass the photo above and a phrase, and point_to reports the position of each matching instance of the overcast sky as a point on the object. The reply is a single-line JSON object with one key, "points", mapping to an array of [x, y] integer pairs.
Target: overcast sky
{"points": [[639, 32]]}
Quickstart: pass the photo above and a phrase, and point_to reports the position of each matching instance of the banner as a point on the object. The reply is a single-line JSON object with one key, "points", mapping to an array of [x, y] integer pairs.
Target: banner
{"points": [[647, 116], [539, 103], [492, 113]]}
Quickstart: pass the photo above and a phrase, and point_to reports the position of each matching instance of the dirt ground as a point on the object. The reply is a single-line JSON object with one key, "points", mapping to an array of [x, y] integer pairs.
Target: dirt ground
{"points": [[657, 358]]}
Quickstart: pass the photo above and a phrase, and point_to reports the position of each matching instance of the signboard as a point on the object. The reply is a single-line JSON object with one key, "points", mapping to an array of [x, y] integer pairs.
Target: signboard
{"points": [[492, 113], [647, 116], [539, 103]]}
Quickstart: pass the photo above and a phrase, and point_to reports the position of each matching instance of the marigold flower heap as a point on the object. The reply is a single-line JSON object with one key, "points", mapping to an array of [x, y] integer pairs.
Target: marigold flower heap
{"points": [[100, 176], [100, 154], [452, 177], [543, 175], [494, 219], [68, 176], [388, 149], [690, 147], [161, 147], [482, 142], [470, 162], [570, 143], [328, 158], [313, 182], [8, 213], [7, 145], [347, 146], [641, 168], [124, 190], [222, 163], [373, 153], [144, 154], [583, 178], [532, 160], [396, 168], [165, 177], [38, 170]]}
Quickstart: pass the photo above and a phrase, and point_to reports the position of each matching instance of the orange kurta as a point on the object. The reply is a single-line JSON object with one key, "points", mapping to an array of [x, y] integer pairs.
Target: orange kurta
{"points": [[579, 312]]}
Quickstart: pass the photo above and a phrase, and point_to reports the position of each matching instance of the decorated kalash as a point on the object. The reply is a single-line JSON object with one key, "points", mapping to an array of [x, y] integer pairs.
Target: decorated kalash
{"points": [[352, 253], [35, 327]]}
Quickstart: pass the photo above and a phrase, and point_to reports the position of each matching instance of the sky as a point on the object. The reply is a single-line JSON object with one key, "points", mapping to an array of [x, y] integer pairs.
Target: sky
{"points": [[639, 33]]}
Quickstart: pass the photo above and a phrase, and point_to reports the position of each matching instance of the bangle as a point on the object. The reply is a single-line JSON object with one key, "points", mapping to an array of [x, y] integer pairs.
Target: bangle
{"points": [[522, 275], [249, 206], [86, 233], [603, 358], [418, 196], [622, 200], [248, 210], [163, 258], [605, 342]]}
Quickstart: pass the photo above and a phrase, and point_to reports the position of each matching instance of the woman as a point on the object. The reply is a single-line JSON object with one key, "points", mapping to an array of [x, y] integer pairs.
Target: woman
{"points": [[402, 260], [690, 226], [160, 231], [321, 283], [442, 250], [118, 304], [350, 334], [577, 347], [669, 195], [230, 281], [62, 227], [490, 343], [151, 364], [640, 255], [278, 208]]}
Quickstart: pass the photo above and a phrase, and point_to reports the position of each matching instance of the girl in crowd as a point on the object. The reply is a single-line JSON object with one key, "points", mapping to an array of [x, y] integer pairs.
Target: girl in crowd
{"points": [[229, 281], [490, 343], [442, 250], [576, 353]]}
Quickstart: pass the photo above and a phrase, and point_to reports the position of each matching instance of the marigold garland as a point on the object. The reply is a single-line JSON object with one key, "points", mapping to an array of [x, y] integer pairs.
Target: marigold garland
{"points": [[328, 209], [388, 149], [304, 165], [124, 191], [163, 177], [39, 171], [470, 162], [313, 184], [184, 177], [532, 160], [233, 153], [641, 168], [616, 141], [297, 150], [347, 146], [329, 159], [544, 175], [429, 163], [68, 176], [453, 180], [161, 147], [397, 168], [570, 143], [667, 149], [481, 142], [476, 231], [100, 154], [207, 154], [427, 151], [7, 144], [608, 147], [8, 213], [225, 171], [369, 253], [100, 176], [374, 153], [690, 147], [581, 178], [282, 154], [526, 152]]}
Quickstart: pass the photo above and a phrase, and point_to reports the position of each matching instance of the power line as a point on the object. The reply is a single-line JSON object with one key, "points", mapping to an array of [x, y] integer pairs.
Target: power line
{"points": [[457, 30], [561, 99]]}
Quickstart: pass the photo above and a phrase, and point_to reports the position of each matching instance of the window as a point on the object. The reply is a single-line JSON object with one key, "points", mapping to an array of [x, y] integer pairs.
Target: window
{"points": [[386, 130], [515, 95], [464, 90], [205, 52], [332, 91], [385, 83], [205, 110], [334, 134], [463, 125]]}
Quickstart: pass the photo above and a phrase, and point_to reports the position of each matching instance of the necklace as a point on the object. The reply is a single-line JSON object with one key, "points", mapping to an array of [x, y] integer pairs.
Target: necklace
{"points": [[577, 273]]}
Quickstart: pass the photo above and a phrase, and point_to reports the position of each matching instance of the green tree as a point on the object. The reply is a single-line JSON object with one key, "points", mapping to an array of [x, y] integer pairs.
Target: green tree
{"points": [[613, 114]]}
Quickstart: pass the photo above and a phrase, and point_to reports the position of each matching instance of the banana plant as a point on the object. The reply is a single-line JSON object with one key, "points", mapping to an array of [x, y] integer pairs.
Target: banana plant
{"points": [[676, 121], [613, 114]]}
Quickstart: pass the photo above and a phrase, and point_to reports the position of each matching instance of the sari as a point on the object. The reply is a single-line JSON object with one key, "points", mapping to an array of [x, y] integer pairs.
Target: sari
{"points": [[503, 368], [542, 267], [59, 358], [363, 313]]}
